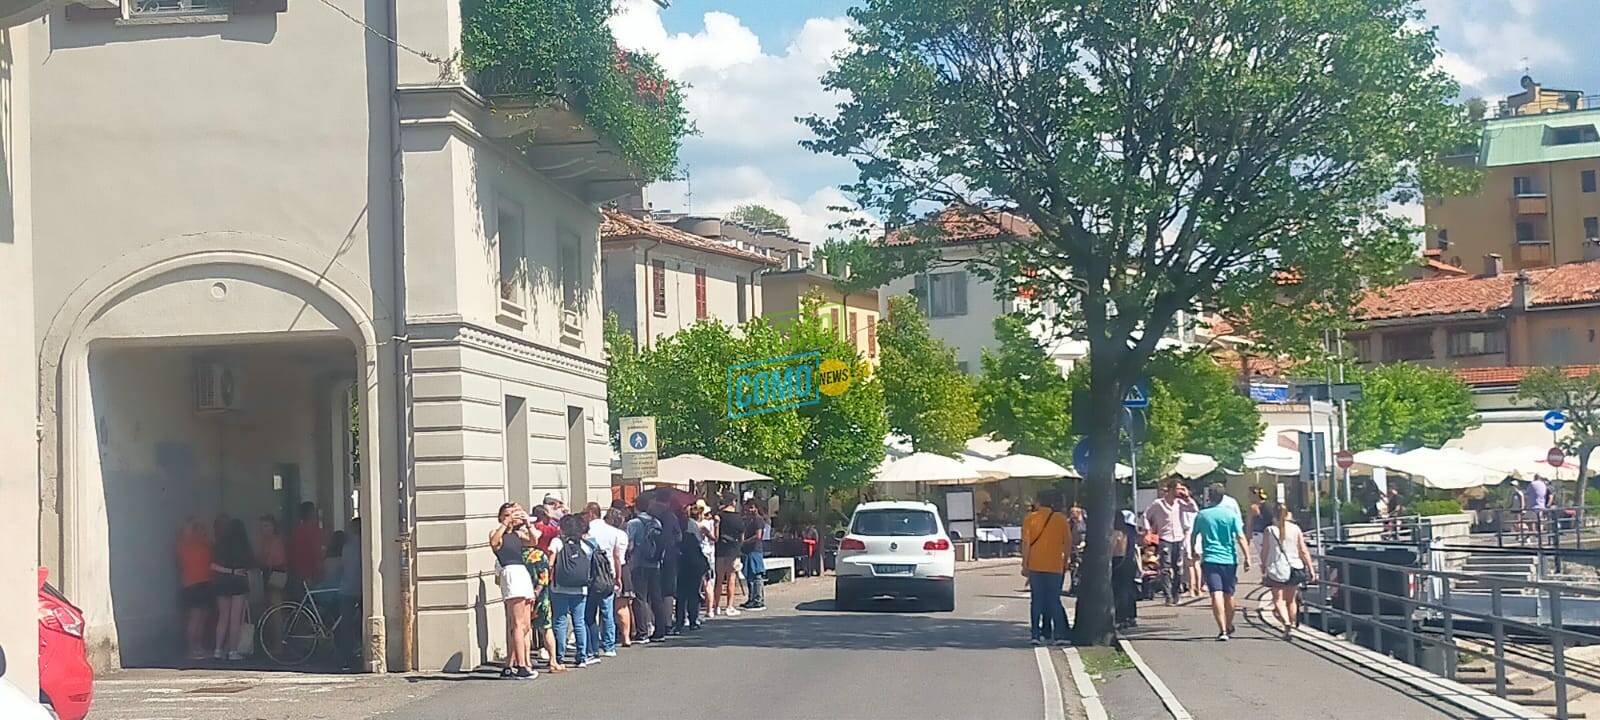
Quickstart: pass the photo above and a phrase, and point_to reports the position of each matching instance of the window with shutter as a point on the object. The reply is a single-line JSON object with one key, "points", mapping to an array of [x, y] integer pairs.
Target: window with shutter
{"points": [[658, 287], [833, 319], [872, 338], [919, 290], [854, 342], [744, 307], [700, 293], [947, 294]]}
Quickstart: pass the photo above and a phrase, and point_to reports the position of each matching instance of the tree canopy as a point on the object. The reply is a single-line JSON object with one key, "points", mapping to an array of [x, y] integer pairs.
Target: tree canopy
{"points": [[1217, 419], [760, 217], [1022, 396], [1409, 405], [933, 402], [1162, 155]]}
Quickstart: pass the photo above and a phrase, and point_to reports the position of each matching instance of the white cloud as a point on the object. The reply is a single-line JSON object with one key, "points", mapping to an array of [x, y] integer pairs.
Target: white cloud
{"points": [[724, 188], [1464, 72]]}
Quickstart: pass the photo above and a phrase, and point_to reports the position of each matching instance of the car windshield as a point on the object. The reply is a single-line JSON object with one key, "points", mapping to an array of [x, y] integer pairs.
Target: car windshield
{"points": [[897, 523]]}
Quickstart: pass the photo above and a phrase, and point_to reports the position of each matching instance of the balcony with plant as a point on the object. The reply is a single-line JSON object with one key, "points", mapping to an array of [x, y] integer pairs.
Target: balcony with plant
{"points": [[585, 107]]}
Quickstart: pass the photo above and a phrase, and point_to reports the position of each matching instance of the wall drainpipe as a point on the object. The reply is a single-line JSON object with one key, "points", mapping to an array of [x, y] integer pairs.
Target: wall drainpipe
{"points": [[402, 351]]}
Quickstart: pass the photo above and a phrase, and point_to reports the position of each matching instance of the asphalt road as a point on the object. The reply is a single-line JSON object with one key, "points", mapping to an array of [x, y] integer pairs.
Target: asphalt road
{"points": [[798, 659]]}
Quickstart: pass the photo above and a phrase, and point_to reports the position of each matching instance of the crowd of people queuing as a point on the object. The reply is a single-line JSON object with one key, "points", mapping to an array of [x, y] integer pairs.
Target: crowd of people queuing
{"points": [[580, 584], [1177, 547], [228, 580]]}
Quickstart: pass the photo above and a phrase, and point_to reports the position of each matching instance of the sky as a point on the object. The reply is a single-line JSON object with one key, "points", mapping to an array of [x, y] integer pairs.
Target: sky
{"points": [[754, 66]]}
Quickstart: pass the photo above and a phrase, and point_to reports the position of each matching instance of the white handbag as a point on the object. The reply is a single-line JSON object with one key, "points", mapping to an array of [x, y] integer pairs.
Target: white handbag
{"points": [[1278, 567], [246, 645]]}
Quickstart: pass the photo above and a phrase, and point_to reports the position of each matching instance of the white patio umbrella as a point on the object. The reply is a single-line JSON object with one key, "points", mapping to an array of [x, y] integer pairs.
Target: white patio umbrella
{"points": [[1437, 469], [1524, 462], [988, 448], [927, 468], [678, 471], [984, 466], [1194, 465], [1274, 460], [1030, 466]]}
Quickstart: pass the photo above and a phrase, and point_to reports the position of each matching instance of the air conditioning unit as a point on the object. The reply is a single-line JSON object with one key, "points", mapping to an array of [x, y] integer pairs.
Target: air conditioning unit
{"points": [[216, 388]]}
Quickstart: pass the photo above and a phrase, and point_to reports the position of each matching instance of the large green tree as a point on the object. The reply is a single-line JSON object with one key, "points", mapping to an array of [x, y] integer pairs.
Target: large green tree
{"points": [[929, 399], [1234, 155], [1576, 395], [1022, 396], [1217, 419], [1409, 405]]}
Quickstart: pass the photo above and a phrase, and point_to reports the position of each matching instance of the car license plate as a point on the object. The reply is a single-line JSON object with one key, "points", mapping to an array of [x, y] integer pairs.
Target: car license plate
{"points": [[892, 569]]}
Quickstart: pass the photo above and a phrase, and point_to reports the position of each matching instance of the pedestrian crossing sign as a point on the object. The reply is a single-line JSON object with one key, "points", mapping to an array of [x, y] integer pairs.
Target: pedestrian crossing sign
{"points": [[1137, 396]]}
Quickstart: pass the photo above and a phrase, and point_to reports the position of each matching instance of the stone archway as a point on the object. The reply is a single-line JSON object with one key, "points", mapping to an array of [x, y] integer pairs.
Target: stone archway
{"points": [[181, 293]]}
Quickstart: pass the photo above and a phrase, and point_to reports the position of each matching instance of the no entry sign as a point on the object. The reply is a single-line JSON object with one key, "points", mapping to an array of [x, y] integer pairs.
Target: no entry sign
{"points": [[1555, 457], [1345, 459]]}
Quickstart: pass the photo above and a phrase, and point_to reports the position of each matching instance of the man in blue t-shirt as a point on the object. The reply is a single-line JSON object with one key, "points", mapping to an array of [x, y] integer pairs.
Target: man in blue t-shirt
{"points": [[1219, 533]]}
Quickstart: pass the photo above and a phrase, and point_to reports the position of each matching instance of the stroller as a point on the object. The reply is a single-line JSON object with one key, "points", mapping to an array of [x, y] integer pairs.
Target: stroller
{"points": [[1152, 584]]}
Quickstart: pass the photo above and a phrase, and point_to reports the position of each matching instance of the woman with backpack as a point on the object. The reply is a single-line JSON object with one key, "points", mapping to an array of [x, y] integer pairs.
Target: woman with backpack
{"points": [[1286, 564], [571, 574]]}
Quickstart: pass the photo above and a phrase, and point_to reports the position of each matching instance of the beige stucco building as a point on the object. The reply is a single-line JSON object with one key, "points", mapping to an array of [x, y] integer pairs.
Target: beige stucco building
{"points": [[281, 258], [659, 279], [854, 316]]}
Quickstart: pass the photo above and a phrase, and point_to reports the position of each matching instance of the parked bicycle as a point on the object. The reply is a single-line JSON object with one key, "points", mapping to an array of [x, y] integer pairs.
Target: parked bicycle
{"points": [[291, 632]]}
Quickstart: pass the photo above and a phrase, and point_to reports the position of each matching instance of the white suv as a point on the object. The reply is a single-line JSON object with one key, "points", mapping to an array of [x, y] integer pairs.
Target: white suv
{"points": [[899, 549]]}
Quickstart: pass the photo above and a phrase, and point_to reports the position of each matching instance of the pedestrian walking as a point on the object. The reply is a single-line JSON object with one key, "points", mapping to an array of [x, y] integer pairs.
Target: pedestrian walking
{"points": [[1223, 549], [1255, 522], [1164, 517], [570, 576], [507, 540], [755, 563], [730, 534], [601, 619], [1046, 545], [1286, 565]]}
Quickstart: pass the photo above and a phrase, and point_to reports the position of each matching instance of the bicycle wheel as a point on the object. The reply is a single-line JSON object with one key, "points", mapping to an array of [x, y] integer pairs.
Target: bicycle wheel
{"points": [[289, 634]]}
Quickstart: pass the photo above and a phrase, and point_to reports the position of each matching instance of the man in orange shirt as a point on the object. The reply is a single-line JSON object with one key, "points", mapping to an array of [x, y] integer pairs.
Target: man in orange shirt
{"points": [[1046, 543]]}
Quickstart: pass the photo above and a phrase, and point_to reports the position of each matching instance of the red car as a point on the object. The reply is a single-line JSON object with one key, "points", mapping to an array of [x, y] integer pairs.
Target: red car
{"points": [[66, 681]]}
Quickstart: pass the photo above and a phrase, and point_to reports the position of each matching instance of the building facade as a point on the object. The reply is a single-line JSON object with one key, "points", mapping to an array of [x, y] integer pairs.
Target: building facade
{"points": [[318, 268], [1538, 202], [854, 316], [658, 279]]}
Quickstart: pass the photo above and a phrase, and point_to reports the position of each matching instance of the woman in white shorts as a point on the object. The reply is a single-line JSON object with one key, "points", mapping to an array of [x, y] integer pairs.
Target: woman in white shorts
{"points": [[507, 540]]}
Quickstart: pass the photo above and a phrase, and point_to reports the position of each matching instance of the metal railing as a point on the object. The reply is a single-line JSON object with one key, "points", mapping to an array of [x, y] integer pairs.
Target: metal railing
{"points": [[1549, 528], [1443, 615]]}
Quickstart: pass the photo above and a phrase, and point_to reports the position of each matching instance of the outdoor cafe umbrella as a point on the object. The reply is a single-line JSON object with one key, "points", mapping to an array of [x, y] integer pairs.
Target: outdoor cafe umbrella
{"points": [[984, 466], [1194, 465], [678, 471], [1030, 466], [927, 468], [673, 497]]}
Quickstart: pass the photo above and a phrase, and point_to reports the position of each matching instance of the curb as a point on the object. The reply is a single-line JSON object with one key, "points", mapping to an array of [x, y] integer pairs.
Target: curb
{"points": [[1168, 699], [1092, 707], [1482, 703]]}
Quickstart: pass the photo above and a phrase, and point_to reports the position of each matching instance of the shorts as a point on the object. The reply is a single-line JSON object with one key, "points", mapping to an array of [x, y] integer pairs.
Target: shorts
{"points": [[515, 582], [1220, 577], [197, 596], [725, 565], [230, 585]]}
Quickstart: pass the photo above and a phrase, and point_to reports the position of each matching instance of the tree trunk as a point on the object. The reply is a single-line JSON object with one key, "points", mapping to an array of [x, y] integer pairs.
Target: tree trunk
{"points": [[1095, 622], [1583, 477]]}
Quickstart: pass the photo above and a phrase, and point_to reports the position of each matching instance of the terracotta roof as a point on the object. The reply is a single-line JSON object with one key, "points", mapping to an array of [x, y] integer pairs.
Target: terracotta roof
{"points": [[1573, 283], [961, 226], [617, 226], [1431, 261], [1479, 377]]}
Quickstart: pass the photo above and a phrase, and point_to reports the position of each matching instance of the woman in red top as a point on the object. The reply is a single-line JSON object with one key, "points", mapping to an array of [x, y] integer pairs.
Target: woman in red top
{"points": [[306, 543], [194, 571]]}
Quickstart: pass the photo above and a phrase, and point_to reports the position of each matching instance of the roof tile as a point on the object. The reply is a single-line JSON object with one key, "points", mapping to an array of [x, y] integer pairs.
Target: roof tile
{"points": [[617, 226], [1569, 284]]}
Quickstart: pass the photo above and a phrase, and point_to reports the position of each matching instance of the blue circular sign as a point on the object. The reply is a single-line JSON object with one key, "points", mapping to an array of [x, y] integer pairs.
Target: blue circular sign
{"points": [[1555, 420], [638, 440], [1080, 457]]}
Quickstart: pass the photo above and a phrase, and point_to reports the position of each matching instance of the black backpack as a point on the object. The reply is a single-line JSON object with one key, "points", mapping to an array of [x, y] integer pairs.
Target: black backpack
{"points": [[574, 567], [605, 577], [649, 549]]}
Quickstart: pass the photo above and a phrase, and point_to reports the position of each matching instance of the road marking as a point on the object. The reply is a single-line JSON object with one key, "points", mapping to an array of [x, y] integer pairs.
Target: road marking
{"points": [[1167, 698], [1092, 707], [1054, 706], [994, 610]]}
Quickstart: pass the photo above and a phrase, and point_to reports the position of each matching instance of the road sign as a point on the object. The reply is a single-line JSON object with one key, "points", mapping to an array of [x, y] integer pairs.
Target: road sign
{"points": [[1277, 393], [1080, 457], [1137, 396], [1555, 420], [1345, 459], [1555, 457], [638, 447]]}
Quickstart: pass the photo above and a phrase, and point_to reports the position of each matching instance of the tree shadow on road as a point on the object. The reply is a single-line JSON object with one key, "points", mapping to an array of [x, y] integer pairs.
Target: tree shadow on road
{"points": [[818, 627]]}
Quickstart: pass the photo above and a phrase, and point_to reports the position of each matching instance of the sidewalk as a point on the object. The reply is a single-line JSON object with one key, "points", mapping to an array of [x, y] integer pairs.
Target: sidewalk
{"points": [[1258, 674]]}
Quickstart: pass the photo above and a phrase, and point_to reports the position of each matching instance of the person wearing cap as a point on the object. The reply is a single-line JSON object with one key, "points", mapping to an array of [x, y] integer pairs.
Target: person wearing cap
{"points": [[1219, 532]]}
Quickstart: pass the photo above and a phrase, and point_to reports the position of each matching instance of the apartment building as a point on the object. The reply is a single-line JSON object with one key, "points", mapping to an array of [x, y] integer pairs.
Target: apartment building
{"points": [[854, 315], [280, 257], [1538, 203], [658, 279]]}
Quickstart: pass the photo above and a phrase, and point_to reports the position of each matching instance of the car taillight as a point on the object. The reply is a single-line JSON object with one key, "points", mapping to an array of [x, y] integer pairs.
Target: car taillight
{"points": [[850, 543], [61, 619], [940, 544]]}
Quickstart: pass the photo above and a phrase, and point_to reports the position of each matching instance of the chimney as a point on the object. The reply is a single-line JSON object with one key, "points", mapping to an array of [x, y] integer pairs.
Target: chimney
{"points": [[1519, 292], [1493, 265], [633, 204]]}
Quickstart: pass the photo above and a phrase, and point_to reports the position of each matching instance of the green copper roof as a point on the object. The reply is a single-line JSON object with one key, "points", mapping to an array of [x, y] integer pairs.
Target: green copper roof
{"points": [[1525, 139]]}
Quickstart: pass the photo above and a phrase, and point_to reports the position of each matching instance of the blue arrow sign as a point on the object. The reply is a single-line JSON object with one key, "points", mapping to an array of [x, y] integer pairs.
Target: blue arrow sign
{"points": [[1555, 420], [1137, 396]]}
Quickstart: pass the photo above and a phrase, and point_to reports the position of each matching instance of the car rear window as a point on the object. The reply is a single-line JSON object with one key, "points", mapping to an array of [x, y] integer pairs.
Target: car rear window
{"points": [[894, 523]]}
